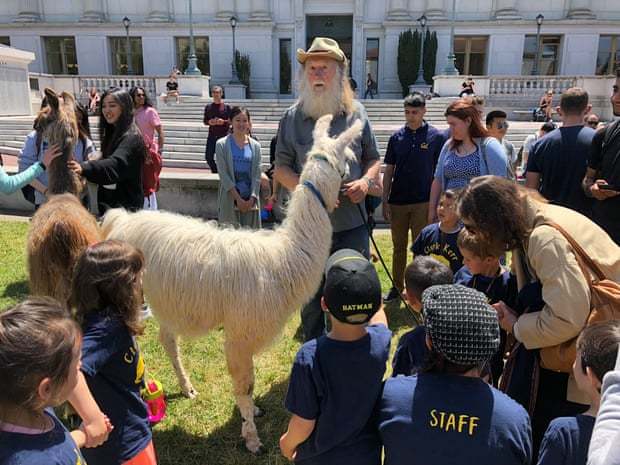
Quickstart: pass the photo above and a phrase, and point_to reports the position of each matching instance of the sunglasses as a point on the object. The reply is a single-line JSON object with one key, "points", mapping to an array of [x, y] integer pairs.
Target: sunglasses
{"points": [[592, 123], [503, 125]]}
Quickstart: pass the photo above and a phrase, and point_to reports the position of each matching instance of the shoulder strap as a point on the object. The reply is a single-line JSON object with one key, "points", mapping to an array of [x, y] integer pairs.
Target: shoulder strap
{"points": [[583, 258]]}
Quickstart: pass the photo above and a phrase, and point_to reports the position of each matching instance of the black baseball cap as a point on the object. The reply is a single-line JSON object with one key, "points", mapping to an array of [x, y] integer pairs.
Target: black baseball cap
{"points": [[352, 288]]}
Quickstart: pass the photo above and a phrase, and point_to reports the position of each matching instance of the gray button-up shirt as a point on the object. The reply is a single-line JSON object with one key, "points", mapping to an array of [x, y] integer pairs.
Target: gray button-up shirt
{"points": [[295, 141]]}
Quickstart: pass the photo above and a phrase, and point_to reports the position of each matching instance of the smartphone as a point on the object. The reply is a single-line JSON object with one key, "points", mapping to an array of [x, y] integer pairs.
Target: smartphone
{"points": [[609, 187]]}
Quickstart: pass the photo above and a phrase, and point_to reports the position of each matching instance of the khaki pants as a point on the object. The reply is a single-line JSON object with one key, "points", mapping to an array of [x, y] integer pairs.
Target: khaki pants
{"points": [[405, 218]]}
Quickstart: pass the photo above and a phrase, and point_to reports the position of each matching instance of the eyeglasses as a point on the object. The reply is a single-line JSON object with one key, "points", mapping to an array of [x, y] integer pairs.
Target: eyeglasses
{"points": [[503, 125]]}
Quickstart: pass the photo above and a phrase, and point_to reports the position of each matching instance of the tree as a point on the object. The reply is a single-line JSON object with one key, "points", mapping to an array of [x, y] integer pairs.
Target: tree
{"points": [[242, 63], [430, 56], [408, 58]]}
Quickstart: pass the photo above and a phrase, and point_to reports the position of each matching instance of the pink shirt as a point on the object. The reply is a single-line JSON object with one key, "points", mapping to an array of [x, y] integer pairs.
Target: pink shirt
{"points": [[147, 120]]}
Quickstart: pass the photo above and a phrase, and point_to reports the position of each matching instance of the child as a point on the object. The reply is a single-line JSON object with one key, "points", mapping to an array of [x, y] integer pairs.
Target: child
{"points": [[107, 296], [439, 239], [420, 274], [40, 356], [336, 378], [483, 272], [567, 438]]}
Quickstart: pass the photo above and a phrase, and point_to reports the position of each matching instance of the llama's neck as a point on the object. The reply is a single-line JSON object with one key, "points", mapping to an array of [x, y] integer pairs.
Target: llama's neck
{"points": [[305, 237]]}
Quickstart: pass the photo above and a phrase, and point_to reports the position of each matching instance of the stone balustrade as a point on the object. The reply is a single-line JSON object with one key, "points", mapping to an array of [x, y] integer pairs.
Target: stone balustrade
{"points": [[529, 85]]}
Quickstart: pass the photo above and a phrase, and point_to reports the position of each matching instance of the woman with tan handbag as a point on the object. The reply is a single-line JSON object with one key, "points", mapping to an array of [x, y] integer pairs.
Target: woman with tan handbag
{"points": [[555, 296]]}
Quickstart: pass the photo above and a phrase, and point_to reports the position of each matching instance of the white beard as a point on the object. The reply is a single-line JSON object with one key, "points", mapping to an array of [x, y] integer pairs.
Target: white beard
{"points": [[318, 103]]}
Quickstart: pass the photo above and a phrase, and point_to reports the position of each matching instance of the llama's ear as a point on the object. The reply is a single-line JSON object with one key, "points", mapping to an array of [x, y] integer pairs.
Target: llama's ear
{"points": [[68, 99], [345, 139], [321, 127], [52, 98]]}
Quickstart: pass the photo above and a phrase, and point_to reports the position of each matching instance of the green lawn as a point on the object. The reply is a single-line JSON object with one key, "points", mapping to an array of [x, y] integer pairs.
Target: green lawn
{"points": [[205, 430]]}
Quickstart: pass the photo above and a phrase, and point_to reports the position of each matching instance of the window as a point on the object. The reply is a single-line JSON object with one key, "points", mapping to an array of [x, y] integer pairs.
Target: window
{"points": [[471, 53], [548, 48], [608, 58], [372, 63], [5, 40], [60, 55], [285, 66], [202, 53], [118, 48]]}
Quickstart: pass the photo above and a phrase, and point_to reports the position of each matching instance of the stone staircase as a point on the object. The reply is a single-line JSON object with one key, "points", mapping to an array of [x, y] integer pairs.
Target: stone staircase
{"points": [[186, 135]]}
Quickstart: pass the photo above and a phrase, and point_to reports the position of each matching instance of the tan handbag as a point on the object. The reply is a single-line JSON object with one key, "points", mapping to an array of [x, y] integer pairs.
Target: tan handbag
{"points": [[604, 306]]}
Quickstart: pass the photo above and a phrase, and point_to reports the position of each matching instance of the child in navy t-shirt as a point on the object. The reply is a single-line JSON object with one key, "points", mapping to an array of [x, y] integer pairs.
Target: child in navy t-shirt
{"points": [[439, 239], [39, 353], [483, 271], [567, 439], [420, 274], [107, 294], [336, 379]]}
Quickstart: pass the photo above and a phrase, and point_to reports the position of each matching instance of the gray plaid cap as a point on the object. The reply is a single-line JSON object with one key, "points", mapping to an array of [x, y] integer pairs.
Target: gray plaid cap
{"points": [[462, 326]]}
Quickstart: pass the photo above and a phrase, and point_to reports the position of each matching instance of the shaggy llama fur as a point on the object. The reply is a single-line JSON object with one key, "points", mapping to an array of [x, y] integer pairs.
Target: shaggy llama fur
{"points": [[200, 276], [61, 228]]}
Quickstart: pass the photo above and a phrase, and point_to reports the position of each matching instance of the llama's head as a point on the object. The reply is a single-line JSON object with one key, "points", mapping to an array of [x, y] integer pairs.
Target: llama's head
{"points": [[326, 164], [57, 124]]}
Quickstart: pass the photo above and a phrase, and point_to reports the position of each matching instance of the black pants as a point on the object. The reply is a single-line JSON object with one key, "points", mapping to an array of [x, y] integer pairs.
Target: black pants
{"points": [[210, 154], [312, 316]]}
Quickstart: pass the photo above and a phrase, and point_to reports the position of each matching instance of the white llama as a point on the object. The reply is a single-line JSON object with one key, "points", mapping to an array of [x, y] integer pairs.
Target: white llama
{"points": [[200, 276]]}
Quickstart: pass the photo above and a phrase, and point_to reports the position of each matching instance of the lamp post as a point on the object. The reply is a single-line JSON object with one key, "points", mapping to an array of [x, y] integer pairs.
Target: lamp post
{"points": [[192, 67], [421, 81], [450, 69], [235, 77], [126, 24], [539, 20]]}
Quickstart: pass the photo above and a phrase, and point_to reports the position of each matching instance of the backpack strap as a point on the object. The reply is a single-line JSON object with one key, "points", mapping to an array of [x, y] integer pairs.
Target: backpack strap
{"points": [[583, 259]]}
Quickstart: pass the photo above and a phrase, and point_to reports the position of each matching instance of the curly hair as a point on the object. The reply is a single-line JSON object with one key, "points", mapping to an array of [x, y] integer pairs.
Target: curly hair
{"points": [[107, 279], [492, 207]]}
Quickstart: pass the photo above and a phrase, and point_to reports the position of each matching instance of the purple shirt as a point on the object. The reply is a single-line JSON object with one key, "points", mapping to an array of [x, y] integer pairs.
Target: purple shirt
{"points": [[214, 110]]}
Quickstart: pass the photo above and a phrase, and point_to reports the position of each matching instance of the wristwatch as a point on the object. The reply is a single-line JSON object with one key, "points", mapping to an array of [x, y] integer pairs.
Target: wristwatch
{"points": [[368, 180]]}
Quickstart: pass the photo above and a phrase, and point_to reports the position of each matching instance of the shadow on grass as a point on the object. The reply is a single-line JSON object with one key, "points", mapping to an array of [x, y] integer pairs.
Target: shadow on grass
{"points": [[16, 290], [224, 445], [399, 316]]}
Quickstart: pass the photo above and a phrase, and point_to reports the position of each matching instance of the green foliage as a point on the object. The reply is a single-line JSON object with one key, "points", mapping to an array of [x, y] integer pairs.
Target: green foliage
{"points": [[243, 70], [430, 56], [409, 57]]}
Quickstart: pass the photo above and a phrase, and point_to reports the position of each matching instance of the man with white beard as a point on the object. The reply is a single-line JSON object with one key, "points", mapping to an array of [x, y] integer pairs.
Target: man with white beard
{"points": [[324, 89]]}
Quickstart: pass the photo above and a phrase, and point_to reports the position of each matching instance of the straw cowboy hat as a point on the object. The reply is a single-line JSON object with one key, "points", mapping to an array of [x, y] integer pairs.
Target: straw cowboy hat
{"points": [[322, 47]]}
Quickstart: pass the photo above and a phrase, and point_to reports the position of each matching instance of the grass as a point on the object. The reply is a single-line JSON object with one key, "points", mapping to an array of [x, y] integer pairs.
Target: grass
{"points": [[205, 430]]}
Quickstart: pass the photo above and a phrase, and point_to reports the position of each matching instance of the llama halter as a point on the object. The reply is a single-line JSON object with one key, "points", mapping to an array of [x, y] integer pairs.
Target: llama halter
{"points": [[316, 192]]}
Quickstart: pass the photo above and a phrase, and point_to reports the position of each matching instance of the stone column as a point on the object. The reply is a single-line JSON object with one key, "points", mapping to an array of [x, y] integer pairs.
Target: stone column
{"points": [[159, 11], [398, 10], [580, 9], [438, 9], [260, 10], [224, 10], [93, 11], [28, 12], [506, 9]]}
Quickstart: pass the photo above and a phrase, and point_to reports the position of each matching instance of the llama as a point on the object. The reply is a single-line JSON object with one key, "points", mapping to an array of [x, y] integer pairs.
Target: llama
{"points": [[61, 228], [200, 276]]}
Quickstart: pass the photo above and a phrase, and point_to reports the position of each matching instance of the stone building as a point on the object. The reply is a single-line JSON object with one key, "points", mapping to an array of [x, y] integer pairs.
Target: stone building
{"points": [[491, 37]]}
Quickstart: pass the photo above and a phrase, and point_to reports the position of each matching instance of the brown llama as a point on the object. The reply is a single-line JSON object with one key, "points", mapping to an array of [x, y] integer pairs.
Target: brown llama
{"points": [[61, 228]]}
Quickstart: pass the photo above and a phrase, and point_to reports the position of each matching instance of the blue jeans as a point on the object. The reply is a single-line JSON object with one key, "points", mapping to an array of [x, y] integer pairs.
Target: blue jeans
{"points": [[312, 316]]}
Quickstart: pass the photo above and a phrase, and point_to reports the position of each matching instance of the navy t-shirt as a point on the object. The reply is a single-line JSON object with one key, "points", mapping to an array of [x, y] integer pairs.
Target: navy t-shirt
{"points": [[441, 246], [114, 371], [54, 447], [501, 287], [414, 154], [411, 352], [338, 383], [566, 441], [451, 419], [561, 158]]}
